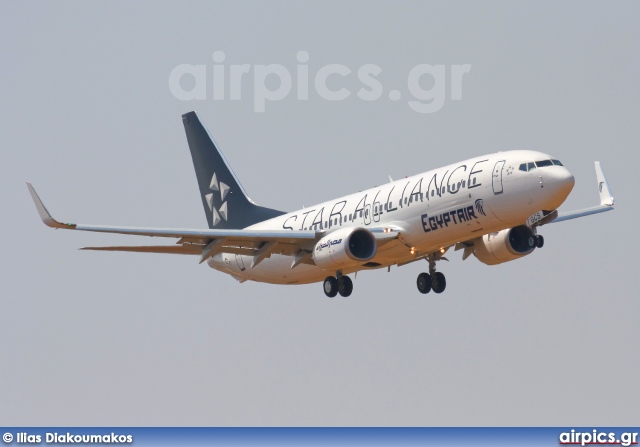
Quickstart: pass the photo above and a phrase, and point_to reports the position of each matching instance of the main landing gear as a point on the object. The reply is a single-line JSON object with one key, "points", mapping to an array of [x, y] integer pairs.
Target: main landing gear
{"points": [[433, 280], [338, 284]]}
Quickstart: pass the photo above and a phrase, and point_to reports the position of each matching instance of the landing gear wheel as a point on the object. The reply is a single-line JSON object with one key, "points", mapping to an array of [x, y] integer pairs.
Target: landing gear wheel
{"points": [[345, 286], [424, 282], [330, 286], [539, 241], [532, 241], [438, 282]]}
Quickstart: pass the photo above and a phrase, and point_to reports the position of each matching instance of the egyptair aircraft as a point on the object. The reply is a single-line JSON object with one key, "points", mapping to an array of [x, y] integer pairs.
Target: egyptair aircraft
{"points": [[490, 207]]}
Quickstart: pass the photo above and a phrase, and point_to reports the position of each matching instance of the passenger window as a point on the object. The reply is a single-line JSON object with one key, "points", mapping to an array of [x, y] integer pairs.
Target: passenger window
{"points": [[557, 162], [543, 163], [523, 167], [531, 166]]}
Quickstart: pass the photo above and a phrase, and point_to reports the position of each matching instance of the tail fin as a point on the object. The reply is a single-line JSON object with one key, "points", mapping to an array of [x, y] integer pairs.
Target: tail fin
{"points": [[225, 201]]}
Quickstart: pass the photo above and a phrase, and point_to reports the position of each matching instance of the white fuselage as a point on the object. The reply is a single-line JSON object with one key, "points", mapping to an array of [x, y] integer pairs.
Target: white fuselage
{"points": [[431, 210]]}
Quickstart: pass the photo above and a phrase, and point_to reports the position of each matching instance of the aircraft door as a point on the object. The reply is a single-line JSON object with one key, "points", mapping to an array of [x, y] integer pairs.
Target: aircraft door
{"points": [[367, 214], [497, 177]]}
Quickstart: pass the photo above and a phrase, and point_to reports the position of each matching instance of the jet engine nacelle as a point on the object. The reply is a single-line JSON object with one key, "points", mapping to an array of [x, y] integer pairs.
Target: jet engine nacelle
{"points": [[505, 245], [346, 247]]}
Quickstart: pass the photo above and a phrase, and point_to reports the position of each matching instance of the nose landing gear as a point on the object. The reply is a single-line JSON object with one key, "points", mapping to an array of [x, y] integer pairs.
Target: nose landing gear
{"points": [[433, 280]]}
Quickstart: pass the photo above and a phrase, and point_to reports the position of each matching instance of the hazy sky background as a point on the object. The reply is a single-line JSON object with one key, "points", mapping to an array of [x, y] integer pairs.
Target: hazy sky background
{"points": [[137, 339]]}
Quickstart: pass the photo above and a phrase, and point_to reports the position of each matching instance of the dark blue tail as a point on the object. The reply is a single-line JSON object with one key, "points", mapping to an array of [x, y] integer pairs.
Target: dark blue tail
{"points": [[225, 202]]}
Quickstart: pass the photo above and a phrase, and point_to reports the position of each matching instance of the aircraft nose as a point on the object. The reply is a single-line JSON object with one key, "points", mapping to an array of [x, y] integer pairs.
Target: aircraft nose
{"points": [[562, 183], [558, 187], [567, 180]]}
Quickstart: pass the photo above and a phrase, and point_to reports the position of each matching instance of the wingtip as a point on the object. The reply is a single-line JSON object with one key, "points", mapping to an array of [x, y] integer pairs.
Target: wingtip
{"points": [[606, 196], [45, 216]]}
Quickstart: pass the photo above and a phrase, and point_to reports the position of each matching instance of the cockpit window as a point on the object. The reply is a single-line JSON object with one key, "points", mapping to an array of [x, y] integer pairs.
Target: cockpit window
{"points": [[525, 167]]}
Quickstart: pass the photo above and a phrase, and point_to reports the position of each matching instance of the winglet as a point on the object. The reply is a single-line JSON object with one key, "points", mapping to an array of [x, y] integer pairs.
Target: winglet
{"points": [[606, 198], [44, 214]]}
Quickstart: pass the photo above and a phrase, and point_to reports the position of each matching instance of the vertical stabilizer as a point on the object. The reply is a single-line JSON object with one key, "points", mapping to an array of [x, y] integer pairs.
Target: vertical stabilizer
{"points": [[225, 201]]}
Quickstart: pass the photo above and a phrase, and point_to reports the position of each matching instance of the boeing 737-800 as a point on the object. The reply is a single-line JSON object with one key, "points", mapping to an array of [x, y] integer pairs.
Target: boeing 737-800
{"points": [[490, 207]]}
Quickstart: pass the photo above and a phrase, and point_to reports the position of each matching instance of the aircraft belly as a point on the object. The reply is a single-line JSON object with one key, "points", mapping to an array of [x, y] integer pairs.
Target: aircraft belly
{"points": [[274, 270]]}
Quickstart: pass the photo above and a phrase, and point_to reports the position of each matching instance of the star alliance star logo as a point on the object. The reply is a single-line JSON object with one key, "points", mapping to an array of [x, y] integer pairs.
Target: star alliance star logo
{"points": [[222, 212]]}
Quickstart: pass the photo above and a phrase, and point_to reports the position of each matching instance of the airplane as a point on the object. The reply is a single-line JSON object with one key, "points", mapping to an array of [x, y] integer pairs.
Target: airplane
{"points": [[490, 207]]}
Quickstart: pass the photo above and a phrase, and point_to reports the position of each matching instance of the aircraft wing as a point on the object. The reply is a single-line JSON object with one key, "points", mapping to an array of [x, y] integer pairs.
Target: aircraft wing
{"points": [[207, 242], [606, 201]]}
